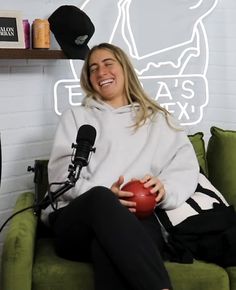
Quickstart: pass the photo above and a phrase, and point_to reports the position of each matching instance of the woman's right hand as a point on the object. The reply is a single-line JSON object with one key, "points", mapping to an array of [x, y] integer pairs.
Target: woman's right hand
{"points": [[115, 188]]}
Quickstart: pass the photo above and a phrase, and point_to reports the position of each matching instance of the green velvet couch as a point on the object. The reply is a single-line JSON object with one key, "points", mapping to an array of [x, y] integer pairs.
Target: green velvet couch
{"points": [[29, 261]]}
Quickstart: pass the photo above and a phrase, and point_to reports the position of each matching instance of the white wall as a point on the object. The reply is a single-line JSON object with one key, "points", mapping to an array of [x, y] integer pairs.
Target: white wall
{"points": [[27, 117], [221, 110]]}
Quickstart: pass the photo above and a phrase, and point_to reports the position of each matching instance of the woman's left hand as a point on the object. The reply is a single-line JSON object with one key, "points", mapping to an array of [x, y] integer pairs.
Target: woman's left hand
{"points": [[157, 186]]}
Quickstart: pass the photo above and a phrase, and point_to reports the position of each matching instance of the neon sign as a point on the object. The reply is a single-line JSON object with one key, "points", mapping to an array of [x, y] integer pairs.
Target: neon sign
{"points": [[172, 68]]}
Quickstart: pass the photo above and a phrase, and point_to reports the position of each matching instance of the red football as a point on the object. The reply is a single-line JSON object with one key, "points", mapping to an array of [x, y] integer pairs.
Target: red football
{"points": [[145, 201]]}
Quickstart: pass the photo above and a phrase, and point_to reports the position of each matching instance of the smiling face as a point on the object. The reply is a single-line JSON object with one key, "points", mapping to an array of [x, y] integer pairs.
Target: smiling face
{"points": [[107, 77]]}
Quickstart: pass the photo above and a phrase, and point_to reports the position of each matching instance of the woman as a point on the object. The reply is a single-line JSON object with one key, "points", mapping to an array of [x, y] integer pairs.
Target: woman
{"points": [[136, 138]]}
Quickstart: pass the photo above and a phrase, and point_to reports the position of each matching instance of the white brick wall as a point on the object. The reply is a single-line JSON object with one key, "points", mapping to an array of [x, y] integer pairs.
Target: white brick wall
{"points": [[221, 110], [27, 123], [27, 118]]}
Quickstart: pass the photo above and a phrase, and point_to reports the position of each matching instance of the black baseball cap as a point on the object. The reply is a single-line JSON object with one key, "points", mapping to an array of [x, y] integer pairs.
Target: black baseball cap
{"points": [[72, 29]]}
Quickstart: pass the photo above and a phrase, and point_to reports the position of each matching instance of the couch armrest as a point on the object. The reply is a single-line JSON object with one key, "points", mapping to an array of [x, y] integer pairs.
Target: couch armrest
{"points": [[18, 248]]}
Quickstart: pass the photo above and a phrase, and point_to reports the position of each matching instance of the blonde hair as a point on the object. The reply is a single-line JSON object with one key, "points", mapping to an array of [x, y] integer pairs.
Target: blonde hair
{"points": [[133, 88]]}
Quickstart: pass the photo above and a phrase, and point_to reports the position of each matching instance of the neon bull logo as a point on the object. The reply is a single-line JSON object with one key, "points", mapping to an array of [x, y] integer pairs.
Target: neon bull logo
{"points": [[169, 50]]}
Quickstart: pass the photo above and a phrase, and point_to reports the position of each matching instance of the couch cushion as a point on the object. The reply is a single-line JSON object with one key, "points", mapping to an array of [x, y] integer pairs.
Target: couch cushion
{"points": [[199, 147], [18, 248], [199, 275], [55, 273], [232, 277], [221, 159]]}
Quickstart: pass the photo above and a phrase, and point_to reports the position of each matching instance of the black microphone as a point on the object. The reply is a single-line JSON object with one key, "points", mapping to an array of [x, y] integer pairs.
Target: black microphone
{"points": [[84, 145]]}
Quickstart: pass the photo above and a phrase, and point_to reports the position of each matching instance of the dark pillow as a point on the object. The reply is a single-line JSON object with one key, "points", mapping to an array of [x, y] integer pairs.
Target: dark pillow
{"points": [[205, 197], [221, 159], [199, 147]]}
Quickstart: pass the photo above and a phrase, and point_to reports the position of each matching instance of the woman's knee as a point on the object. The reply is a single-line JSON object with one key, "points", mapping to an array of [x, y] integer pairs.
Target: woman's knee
{"points": [[96, 201], [101, 194]]}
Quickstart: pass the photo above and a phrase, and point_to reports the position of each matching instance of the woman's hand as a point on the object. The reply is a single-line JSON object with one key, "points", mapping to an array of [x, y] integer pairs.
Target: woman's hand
{"points": [[115, 188], [156, 184]]}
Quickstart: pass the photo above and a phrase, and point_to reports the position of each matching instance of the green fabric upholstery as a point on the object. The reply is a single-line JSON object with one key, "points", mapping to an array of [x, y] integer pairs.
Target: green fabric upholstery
{"points": [[18, 249], [199, 147], [221, 158], [54, 273], [232, 277], [199, 275]]}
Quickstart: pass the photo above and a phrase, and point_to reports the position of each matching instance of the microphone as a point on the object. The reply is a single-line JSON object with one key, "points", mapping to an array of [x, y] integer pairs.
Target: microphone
{"points": [[84, 145]]}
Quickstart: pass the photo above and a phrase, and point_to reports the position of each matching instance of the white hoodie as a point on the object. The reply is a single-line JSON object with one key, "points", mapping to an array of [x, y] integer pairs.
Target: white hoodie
{"points": [[155, 148]]}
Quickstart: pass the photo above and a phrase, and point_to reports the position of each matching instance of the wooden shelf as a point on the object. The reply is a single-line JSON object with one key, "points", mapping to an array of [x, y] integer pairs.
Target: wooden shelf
{"points": [[31, 54]]}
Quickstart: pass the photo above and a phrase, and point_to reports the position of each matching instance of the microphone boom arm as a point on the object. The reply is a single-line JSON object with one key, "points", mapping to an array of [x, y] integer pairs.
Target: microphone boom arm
{"points": [[53, 195]]}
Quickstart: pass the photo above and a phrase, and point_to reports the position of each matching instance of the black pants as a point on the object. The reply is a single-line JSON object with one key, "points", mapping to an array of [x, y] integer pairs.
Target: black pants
{"points": [[95, 227]]}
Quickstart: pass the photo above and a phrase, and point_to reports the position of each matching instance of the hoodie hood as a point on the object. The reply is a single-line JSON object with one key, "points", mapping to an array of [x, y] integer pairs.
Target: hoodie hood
{"points": [[102, 106]]}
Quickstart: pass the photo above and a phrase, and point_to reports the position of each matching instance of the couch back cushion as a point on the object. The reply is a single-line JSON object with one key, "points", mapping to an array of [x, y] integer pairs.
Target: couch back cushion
{"points": [[199, 147], [221, 159]]}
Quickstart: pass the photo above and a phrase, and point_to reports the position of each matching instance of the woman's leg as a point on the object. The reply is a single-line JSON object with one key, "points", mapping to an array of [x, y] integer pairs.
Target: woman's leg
{"points": [[99, 214], [106, 274]]}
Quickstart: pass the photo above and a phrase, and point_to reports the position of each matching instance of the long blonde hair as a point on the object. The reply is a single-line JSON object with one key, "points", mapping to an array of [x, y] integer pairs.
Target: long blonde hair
{"points": [[133, 88]]}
